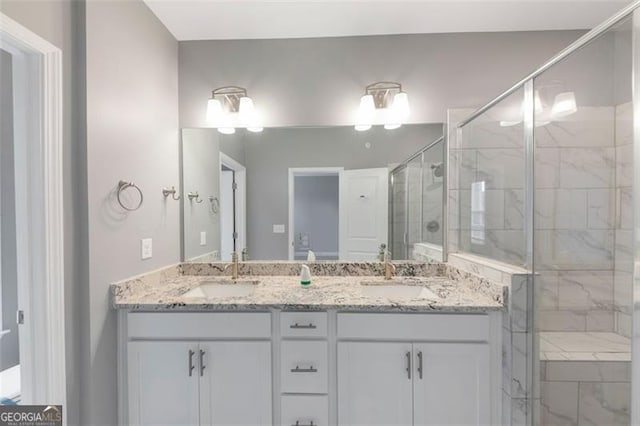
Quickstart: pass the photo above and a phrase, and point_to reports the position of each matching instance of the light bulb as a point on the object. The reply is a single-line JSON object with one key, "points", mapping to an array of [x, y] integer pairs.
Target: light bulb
{"points": [[255, 129], [392, 126], [227, 130], [564, 104], [401, 106], [366, 113], [214, 112], [246, 110]]}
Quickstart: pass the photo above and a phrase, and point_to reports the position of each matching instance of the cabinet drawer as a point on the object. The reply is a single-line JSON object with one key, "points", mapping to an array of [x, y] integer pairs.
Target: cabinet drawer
{"points": [[303, 324], [188, 325], [302, 410], [441, 327], [304, 367]]}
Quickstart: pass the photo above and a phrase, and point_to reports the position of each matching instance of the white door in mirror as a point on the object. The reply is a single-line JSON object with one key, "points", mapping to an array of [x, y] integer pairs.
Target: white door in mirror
{"points": [[363, 213]]}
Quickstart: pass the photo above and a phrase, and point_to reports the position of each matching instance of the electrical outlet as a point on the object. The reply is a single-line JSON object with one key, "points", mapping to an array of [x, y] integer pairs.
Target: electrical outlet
{"points": [[203, 238], [146, 248], [278, 229]]}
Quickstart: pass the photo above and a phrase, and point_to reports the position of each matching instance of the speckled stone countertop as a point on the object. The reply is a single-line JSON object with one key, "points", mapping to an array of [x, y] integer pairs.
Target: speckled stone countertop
{"points": [[450, 290]]}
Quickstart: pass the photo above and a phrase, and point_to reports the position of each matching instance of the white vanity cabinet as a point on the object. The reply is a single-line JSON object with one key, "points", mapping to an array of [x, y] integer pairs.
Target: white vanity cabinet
{"points": [[208, 381], [310, 368], [411, 369]]}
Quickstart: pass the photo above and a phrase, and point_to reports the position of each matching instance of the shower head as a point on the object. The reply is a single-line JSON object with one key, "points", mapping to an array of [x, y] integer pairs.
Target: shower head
{"points": [[437, 169]]}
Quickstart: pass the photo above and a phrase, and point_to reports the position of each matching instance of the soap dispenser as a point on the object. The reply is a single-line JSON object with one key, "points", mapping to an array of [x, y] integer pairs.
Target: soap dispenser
{"points": [[305, 276]]}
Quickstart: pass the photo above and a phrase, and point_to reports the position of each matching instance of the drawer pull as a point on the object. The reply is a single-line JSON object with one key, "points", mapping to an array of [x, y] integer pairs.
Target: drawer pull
{"points": [[311, 423], [309, 326], [304, 370]]}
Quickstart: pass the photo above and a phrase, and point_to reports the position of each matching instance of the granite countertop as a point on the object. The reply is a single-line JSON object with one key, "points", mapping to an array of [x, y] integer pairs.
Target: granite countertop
{"points": [[450, 292]]}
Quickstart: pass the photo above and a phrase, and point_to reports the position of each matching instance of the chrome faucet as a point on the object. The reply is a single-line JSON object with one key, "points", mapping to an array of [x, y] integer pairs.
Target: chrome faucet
{"points": [[234, 266], [389, 268]]}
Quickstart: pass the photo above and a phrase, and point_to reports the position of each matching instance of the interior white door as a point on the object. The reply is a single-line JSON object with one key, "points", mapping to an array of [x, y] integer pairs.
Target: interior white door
{"points": [[374, 383], [452, 385], [163, 389], [364, 213], [235, 383]]}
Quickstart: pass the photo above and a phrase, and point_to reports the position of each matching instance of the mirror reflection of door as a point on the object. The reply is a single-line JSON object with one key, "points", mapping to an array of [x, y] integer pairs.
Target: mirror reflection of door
{"points": [[228, 231]]}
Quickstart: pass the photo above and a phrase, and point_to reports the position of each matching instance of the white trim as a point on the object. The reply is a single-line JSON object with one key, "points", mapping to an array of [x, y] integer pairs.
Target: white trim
{"points": [[307, 171], [39, 205], [241, 197]]}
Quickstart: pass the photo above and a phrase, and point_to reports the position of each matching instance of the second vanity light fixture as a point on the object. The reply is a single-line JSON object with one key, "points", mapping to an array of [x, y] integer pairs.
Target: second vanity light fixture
{"points": [[229, 108], [384, 103]]}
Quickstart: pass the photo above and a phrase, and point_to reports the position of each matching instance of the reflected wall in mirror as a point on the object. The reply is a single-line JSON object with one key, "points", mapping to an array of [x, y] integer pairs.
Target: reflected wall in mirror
{"points": [[278, 194]]}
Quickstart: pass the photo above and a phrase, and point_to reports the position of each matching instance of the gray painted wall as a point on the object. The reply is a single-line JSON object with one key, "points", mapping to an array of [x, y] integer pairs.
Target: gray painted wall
{"points": [[9, 351], [132, 134], [201, 173], [316, 213], [319, 81], [62, 23]]}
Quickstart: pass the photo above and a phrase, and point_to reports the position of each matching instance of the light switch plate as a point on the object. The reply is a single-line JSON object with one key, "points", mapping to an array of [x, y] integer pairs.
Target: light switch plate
{"points": [[278, 229], [203, 238], [146, 248]]}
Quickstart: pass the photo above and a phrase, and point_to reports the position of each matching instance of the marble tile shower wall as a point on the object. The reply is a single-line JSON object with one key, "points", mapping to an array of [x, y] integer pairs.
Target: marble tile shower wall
{"points": [[492, 155], [581, 241], [623, 249], [575, 221]]}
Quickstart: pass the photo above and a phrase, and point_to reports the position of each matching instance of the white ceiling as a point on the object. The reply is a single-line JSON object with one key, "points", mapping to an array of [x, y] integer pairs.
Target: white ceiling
{"points": [[251, 19]]}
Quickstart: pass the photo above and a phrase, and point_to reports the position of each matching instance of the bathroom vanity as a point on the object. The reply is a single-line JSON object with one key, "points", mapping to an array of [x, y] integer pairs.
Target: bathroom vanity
{"points": [[356, 349]]}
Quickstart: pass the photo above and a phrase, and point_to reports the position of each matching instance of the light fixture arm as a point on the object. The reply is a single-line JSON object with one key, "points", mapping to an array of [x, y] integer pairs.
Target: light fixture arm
{"points": [[229, 97], [382, 92]]}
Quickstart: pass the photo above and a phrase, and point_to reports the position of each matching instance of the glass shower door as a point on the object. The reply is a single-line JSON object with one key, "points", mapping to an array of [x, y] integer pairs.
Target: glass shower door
{"points": [[398, 213]]}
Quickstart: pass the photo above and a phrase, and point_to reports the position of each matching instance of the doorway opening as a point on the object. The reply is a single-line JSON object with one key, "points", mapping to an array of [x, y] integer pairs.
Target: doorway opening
{"points": [[32, 338], [232, 206], [314, 198]]}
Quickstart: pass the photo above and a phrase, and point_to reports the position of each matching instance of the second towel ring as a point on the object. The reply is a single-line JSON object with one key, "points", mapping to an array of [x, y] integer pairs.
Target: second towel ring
{"points": [[122, 186]]}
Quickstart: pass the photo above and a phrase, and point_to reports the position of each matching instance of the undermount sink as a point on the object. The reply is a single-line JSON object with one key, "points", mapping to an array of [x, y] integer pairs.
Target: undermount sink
{"points": [[397, 291], [223, 288]]}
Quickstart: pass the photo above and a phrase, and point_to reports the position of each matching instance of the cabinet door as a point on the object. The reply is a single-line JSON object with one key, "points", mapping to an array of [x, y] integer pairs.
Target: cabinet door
{"points": [[235, 383], [374, 385], [454, 387], [163, 390]]}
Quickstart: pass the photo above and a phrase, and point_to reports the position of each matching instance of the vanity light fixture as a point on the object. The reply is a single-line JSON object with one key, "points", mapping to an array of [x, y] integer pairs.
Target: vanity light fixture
{"points": [[230, 108], [383, 103]]}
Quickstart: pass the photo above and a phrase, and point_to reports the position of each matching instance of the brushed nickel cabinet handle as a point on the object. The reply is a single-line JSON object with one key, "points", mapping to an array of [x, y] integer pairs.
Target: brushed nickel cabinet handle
{"points": [[408, 355], [304, 370], [202, 366], [309, 326], [191, 366], [311, 423], [420, 364]]}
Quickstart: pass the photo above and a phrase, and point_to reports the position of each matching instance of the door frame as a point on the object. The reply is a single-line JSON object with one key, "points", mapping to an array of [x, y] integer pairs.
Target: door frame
{"points": [[308, 171], [241, 198], [37, 86]]}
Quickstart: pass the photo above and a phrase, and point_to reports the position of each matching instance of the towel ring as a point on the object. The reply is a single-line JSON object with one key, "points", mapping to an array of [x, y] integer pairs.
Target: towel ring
{"points": [[215, 204], [122, 186]]}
